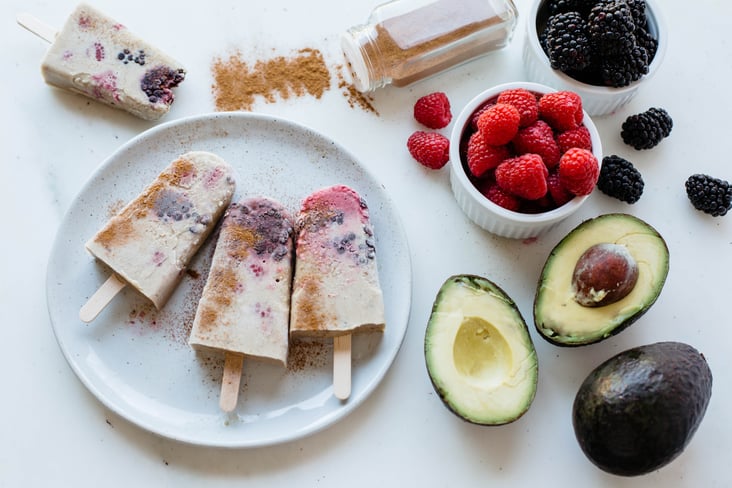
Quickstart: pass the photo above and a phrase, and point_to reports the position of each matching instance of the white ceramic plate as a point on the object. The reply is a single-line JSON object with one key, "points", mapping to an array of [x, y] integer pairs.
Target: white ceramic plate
{"points": [[136, 360]]}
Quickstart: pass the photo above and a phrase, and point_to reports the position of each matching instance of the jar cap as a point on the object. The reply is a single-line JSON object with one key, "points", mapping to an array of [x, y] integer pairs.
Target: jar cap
{"points": [[356, 62]]}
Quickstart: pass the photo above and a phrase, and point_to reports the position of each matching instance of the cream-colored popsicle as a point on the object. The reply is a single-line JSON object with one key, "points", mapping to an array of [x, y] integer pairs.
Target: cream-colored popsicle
{"points": [[150, 242], [336, 287], [98, 57], [245, 306]]}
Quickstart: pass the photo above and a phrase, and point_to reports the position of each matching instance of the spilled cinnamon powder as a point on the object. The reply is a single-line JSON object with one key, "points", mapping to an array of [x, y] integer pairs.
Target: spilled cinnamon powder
{"points": [[238, 84]]}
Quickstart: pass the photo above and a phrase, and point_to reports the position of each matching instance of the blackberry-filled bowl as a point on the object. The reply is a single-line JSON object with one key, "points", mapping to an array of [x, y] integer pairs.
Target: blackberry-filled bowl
{"points": [[609, 80], [465, 186]]}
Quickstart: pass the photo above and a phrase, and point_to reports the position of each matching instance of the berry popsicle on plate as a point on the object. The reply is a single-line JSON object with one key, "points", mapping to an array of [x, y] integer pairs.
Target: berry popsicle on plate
{"points": [[150, 242], [245, 307], [336, 290]]}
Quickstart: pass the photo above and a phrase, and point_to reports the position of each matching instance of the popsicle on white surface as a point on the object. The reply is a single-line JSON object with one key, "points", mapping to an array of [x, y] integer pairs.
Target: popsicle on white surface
{"points": [[150, 242], [336, 290], [99, 57], [244, 310]]}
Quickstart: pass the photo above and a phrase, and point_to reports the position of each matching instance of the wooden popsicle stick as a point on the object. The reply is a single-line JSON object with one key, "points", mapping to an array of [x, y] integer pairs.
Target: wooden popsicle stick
{"points": [[230, 382], [101, 298], [37, 27], [342, 366]]}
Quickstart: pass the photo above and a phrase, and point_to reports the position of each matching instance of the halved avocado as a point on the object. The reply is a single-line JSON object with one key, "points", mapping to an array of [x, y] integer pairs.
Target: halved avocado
{"points": [[559, 314], [479, 353]]}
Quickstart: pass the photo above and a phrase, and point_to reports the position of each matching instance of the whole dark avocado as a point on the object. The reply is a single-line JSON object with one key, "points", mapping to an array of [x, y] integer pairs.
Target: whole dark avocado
{"points": [[637, 411]]}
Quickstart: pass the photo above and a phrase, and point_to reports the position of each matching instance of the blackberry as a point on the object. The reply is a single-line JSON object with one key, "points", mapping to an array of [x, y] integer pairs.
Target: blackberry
{"points": [[157, 83], [620, 179], [624, 69], [567, 44], [708, 194], [645, 39], [560, 6], [646, 129], [611, 27]]}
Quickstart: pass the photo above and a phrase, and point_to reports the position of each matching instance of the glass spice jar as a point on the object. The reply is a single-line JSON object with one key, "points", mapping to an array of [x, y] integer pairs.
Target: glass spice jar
{"points": [[405, 41]]}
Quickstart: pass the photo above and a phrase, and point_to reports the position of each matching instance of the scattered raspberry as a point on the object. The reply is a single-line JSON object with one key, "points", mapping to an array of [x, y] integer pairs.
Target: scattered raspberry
{"points": [[562, 110], [495, 194], [482, 157], [433, 110], [524, 101], [523, 176], [579, 137], [558, 193], [499, 123], [429, 148], [578, 171], [538, 138]]}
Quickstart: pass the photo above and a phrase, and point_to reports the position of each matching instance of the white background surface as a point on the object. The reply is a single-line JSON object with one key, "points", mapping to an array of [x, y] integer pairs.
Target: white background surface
{"points": [[54, 432]]}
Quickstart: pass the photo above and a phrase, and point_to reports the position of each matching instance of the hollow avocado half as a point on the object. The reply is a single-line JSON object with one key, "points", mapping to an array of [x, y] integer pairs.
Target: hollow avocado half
{"points": [[558, 315], [479, 354], [637, 411]]}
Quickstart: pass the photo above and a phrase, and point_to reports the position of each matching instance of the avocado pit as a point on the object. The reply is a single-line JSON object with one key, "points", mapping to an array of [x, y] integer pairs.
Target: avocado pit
{"points": [[604, 273]]}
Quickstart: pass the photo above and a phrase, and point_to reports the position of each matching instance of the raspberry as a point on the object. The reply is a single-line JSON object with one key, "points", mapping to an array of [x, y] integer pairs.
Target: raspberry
{"points": [[538, 138], [499, 124], [523, 176], [482, 157], [495, 194], [476, 115], [433, 110], [579, 137], [559, 194], [578, 171], [562, 110], [429, 149], [524, 101]]}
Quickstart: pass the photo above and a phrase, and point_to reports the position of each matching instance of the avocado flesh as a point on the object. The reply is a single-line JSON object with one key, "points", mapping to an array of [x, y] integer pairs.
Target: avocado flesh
{"points": [[560, 319], [478, 351], [637, 411]]}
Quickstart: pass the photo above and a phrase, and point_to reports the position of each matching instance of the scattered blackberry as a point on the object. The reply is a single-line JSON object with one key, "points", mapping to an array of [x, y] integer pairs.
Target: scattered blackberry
{"points": [[645, 130], [611, 27], [708, 194], [624, 69], [620, 179], [567, 44]]}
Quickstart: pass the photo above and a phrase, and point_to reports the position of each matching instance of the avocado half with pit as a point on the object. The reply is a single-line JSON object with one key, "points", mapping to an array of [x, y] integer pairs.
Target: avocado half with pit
{"points": [[637, 411], [479, 354], [599, 279]]}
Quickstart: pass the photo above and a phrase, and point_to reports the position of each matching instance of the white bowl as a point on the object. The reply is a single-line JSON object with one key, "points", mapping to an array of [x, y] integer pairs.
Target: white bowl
{"points": [[596, 100], [478, 208]]}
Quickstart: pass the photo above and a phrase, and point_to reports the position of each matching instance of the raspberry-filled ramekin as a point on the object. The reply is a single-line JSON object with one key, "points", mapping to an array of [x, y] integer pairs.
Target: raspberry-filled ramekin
{"points": [[481, 210], [598, 100]]}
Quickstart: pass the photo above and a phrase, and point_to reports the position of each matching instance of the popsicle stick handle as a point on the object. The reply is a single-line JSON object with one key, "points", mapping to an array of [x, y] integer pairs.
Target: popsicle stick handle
{"points": [[233, 364], [101, 298], [37, 27], [342, 366]]}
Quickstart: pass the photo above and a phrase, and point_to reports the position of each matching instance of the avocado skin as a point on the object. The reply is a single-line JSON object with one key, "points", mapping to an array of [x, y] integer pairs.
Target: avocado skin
{"points": [[637, 411]]}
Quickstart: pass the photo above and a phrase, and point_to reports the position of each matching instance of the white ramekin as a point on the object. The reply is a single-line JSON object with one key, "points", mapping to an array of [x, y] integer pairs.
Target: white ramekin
{"points": [[596, 100], [487, 214]]}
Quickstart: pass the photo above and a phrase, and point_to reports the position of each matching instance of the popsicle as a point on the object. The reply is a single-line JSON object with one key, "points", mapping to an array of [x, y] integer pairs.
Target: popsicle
{"points": [[336, 290], [244, 311], [96, 56], [150, 242]]}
